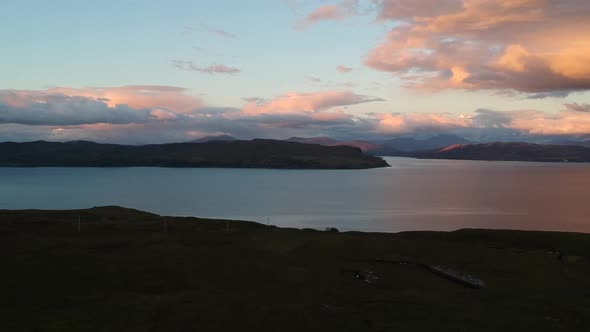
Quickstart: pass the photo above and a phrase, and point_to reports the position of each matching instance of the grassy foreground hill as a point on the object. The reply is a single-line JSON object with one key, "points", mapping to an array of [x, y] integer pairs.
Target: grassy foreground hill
{"points": [[127, 270], [256, 153]]}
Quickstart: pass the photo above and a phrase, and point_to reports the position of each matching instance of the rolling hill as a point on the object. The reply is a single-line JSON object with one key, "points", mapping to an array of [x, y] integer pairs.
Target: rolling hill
{"points": [[257, 153]]}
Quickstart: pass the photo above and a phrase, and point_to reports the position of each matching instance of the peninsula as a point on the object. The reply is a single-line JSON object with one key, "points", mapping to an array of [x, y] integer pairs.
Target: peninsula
{"points": [[257, 153]]}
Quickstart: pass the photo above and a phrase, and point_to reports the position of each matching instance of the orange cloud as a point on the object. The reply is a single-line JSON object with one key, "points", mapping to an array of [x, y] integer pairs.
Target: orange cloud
{"points": [[532, 46], [562, 123], [139, 96], [142, 114], [401, 123]]}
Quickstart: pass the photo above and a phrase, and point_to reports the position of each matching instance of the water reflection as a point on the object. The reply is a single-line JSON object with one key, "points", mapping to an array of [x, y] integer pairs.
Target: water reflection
{"points": [[411, 195]]}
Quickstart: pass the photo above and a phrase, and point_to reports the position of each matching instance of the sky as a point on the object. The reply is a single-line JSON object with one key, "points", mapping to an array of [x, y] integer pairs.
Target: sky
{"points": [[154, 71]]}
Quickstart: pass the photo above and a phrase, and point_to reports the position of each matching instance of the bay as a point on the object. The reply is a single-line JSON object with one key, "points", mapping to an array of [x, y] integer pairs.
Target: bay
{"points": [[410, 195]]}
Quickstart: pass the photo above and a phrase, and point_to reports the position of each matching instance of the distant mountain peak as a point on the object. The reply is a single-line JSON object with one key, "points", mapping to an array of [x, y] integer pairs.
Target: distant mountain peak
{"points": [[225, 138], [452, 147], [322, 140], [410, 144], [509, 151], [327, 141]]}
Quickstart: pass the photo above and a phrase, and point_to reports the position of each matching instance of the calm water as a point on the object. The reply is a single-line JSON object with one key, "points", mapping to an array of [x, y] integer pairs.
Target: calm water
{"points": [[411, 195]]}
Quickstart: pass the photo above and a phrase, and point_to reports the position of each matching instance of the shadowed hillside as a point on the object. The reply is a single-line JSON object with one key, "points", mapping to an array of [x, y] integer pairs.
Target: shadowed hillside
{"points": [[509, 151], [127, 270], [225, 138], [326, 141], [400, 146], [247, 154]]}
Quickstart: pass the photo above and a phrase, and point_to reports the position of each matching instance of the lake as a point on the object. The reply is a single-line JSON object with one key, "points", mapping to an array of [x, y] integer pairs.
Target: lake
{"points": [[410, 195]]}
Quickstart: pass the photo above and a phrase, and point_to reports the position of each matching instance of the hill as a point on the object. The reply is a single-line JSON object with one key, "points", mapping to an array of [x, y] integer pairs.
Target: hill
{"points": [[399, 146], [130, 271], [204, 139], [327, 141], [510, 151], [239, 154], [409, 144]]}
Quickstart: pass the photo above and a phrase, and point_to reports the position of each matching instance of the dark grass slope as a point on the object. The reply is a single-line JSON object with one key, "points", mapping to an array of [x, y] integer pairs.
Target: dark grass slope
{"points": [[247, 154], [122, 272], [509, 151]]}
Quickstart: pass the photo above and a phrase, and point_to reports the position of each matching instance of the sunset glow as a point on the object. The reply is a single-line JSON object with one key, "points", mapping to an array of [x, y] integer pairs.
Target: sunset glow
{"points": [[281, 68]]}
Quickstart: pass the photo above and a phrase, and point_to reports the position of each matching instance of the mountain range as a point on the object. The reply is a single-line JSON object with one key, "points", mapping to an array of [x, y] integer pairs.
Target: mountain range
{"points": [[509, 151], [295, 152], [327, 141], [399, 146], [223, 138], [455, 147]]}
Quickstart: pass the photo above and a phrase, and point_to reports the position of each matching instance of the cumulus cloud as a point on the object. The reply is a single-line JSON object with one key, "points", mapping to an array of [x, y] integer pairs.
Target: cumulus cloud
{"points": [[212, 69], [141, 114], [136, 96], [66, 106], [578, 107], [63, 110], [307, 102], [531, 46], [403, 123], [573, 120], [151, 114]]}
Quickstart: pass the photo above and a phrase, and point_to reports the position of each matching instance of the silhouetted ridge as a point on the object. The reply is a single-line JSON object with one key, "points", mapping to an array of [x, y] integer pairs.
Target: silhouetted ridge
{"points": [[510, 151], [205, 139], [240, 154]]}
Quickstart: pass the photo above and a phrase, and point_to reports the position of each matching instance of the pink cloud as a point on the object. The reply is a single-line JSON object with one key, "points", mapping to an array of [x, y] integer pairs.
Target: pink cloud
{"points": [[323, 13], [332, 116], [532, 46], [161, 114], [330, 12], [306, 102], [212, 69], [138, 96], [343, 69], [164, 113], [403, 123], [573, 120]]}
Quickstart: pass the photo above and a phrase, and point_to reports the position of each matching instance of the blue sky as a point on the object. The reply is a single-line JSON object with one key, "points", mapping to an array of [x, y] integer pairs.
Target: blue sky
{"points": [[107, 44]]}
